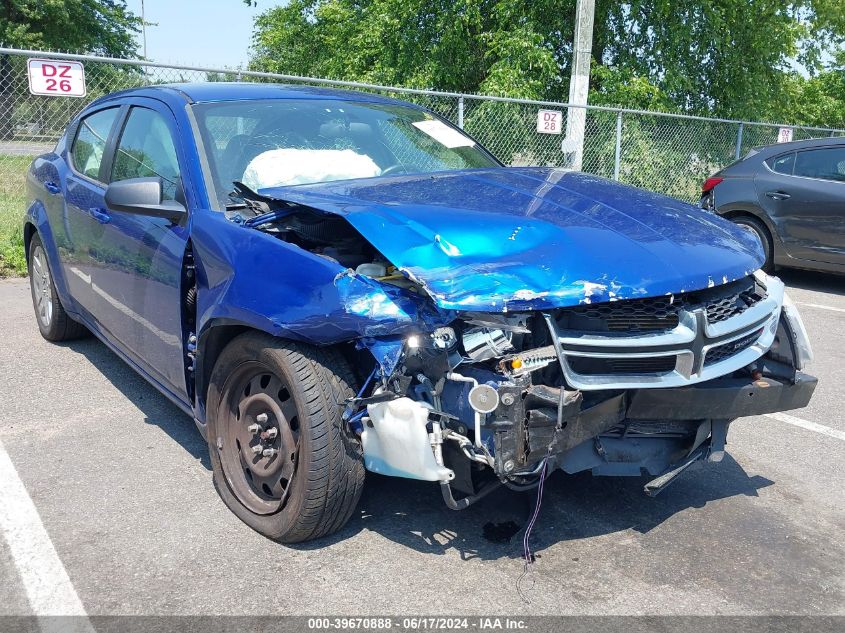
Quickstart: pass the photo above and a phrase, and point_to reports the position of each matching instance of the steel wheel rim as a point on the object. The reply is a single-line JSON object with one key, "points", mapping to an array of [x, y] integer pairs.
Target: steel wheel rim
{"points": [[42, 286], [255, 396]]}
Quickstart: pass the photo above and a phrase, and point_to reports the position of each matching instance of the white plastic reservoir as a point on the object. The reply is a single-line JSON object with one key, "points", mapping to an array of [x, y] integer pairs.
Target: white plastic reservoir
{"points": [[398, 444]]}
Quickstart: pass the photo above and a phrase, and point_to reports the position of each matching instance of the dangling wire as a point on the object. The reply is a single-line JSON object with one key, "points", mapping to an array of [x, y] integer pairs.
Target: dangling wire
{"points": [[528, 557], [367, 381]]}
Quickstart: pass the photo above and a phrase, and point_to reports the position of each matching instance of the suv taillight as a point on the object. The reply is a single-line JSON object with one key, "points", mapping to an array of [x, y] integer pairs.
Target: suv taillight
{"points": [[709, 184]]}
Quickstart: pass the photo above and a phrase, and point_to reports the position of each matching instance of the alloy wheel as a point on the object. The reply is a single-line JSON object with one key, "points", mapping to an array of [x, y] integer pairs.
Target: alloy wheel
{"points": [[42, 286]]}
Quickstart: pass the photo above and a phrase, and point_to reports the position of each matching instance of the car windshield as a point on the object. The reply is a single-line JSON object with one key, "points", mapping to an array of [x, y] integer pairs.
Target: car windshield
{"points": [[280, 142]]}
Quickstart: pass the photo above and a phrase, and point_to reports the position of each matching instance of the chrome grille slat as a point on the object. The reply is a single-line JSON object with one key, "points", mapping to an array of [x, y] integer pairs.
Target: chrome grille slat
{"points": [[716, 331]]}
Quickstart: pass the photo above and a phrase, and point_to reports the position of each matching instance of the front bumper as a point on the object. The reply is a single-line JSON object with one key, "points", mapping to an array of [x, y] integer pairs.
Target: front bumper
{"points": [[552, 421], [725, 399]]}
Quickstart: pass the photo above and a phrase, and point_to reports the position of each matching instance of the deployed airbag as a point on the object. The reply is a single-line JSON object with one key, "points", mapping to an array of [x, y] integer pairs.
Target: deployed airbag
{"points": [[280, 167]]}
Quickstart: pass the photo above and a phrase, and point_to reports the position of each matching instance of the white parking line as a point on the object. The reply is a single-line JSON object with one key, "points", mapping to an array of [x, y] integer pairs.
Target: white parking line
{"points": [[805, 424], [820, 307], [45, 580]]}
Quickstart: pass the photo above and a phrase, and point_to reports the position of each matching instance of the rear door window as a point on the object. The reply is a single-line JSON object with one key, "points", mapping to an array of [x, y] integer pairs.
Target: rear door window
{"points": [[824, 164], [90, 142], [782, 164]]}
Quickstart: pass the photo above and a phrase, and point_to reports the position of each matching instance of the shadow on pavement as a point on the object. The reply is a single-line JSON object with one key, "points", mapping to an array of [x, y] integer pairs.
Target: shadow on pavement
{"points": [[157, 409], [574, 507], [412, 513], [810, 280]]}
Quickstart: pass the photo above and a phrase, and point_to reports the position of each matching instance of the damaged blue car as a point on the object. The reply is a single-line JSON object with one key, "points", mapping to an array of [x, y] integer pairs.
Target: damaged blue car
{"points": [[333, 282]]}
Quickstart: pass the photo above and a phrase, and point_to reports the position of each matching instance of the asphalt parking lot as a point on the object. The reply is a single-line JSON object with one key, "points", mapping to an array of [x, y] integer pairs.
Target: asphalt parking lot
{"points": [[122, 487]]}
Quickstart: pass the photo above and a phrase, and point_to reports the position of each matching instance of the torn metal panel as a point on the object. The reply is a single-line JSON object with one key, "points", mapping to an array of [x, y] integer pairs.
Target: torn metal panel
{"points": [[386, 351], [287, 291], [533, 238]]}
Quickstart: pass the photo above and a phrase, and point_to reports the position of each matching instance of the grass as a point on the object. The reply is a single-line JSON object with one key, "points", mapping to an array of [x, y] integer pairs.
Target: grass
{"points": [[12, 207]]}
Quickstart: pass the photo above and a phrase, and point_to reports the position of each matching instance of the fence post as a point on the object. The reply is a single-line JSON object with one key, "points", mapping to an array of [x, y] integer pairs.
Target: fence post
{"points": [[618, 158], [739, 141], [461, 112]]}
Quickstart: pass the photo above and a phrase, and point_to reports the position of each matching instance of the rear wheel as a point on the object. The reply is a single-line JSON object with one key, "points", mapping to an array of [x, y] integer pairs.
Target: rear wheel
{"points": [[282, 458], [53, 322], [759, 229]]}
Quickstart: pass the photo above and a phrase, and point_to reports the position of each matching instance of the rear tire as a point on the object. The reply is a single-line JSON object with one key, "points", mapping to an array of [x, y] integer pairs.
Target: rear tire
{"points": [[53, 322], [762, 232], [283, 460]]}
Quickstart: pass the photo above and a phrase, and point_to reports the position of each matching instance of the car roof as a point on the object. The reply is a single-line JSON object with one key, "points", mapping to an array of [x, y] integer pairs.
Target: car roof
{"points": [[777, 148], [209, 92]]}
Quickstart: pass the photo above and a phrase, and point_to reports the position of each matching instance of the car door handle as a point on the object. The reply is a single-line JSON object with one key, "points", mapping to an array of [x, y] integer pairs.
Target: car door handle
{"points": [[52, 188], [99, 214], [777, 195]]}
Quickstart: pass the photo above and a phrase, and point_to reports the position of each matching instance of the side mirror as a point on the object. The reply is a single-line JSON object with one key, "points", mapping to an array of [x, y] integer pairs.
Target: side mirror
{"points": [[143, 196]]}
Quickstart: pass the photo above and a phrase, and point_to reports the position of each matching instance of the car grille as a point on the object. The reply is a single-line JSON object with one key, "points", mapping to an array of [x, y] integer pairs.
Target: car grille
{"points": [[720, 308], [654, 314], [622, 366], [665, 341], [721, 352], [635, 315]]}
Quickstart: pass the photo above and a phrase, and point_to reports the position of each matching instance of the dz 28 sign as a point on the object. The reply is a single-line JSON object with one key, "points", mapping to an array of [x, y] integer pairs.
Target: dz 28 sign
{"points": [[55, 78], [548, 121]]}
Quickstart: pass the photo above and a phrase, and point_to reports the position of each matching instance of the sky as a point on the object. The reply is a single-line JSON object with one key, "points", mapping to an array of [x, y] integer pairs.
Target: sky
{"points": [[211, 33]]}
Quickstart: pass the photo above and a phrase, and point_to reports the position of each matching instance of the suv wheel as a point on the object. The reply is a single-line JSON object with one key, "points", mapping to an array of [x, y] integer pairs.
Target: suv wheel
{"points": [[283, 460]]}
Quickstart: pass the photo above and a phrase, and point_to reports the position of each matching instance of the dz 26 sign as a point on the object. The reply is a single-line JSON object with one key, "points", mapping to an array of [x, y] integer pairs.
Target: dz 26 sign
{"points": [[56, 78]]}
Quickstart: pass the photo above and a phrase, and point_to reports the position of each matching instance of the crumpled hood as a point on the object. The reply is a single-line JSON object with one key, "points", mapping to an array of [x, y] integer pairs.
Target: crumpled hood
{"points": [[532, 238]]}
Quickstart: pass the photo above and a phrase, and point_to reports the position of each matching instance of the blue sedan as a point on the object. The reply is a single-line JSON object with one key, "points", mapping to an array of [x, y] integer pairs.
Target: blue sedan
{"points": [[332, 282]]}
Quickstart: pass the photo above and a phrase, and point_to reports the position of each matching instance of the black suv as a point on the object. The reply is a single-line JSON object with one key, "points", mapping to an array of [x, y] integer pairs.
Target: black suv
{"points": [[792, 195]]}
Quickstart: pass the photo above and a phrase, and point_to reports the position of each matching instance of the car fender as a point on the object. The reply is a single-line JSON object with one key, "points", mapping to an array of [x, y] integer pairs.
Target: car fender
{"points": [[248, 276], [36, 218], [249, 279]]}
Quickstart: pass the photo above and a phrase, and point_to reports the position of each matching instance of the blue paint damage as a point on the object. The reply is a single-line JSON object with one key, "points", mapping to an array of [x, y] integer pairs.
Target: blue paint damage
{"points": [[287, 291], [510, 239]]}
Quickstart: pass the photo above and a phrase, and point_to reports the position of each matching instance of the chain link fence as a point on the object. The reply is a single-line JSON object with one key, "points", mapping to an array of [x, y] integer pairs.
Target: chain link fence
{"points": [[671, 154]]}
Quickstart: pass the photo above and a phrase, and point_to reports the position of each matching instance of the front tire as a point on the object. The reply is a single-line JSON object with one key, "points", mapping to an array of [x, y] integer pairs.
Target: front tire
{"points": [[282, 458], [53, 322]]}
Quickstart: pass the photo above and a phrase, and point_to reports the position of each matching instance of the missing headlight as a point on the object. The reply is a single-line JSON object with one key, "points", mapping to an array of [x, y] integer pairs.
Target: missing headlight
{"points": [[483, 343]]}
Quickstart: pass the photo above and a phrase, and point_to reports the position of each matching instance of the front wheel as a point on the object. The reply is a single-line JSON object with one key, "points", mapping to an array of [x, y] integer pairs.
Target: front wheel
{"points": [[282, 458]]}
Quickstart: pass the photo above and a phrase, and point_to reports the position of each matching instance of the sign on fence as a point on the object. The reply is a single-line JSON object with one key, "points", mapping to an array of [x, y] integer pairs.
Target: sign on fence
{"points": [[784, 135], [56, 78], [549, 121]]}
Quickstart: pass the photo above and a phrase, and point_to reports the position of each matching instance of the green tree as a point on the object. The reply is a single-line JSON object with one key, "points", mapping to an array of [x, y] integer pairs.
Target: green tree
{"points": [[818, 100], [717, 57], [104, 27], [728, 58]]}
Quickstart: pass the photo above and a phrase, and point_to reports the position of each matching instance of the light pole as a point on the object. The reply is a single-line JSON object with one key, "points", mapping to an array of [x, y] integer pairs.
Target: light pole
{"points": [[579, 82], [144, 29]]}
